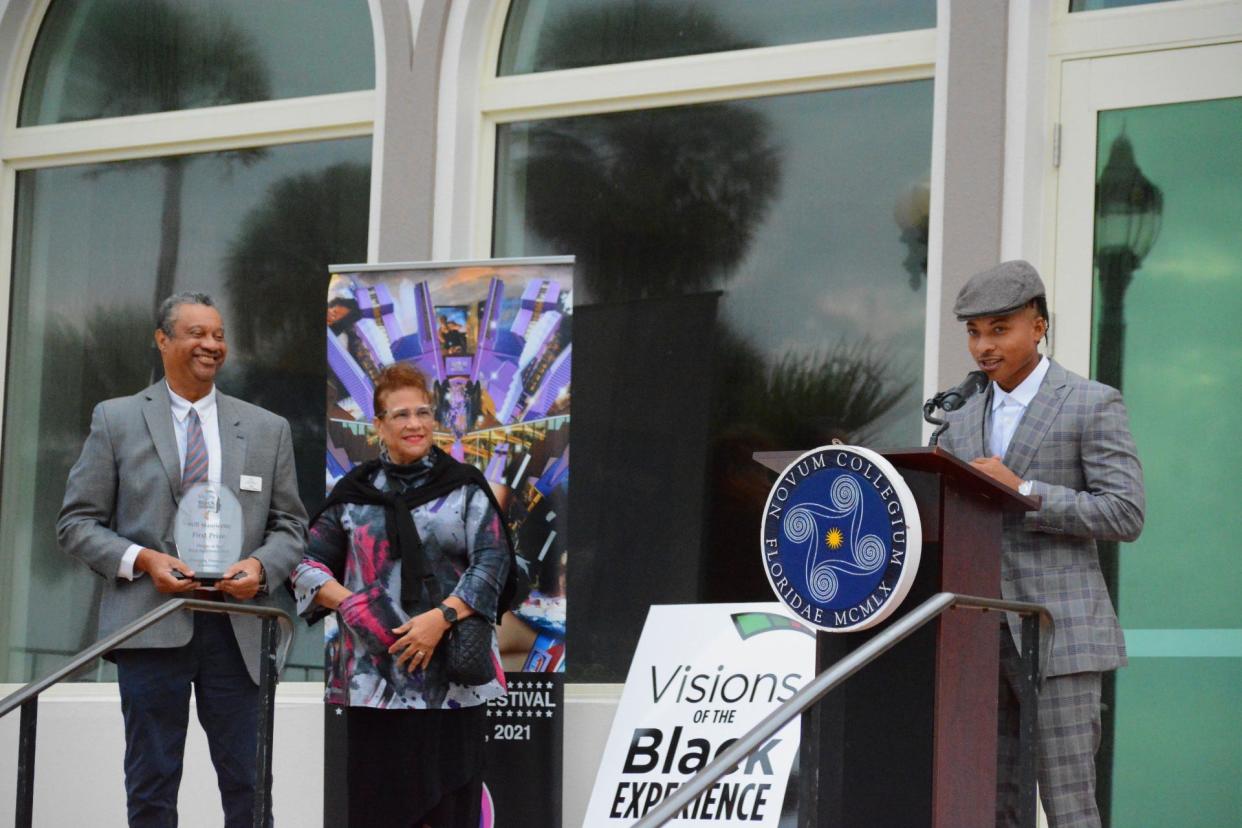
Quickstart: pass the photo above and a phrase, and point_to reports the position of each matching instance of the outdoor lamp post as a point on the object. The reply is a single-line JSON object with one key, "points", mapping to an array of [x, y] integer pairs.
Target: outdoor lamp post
{"points": [[912, 214], [1127, 220]]}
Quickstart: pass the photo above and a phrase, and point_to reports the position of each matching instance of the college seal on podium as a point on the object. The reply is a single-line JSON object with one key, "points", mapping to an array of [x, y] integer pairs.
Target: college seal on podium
{"points": [[841, 538]]}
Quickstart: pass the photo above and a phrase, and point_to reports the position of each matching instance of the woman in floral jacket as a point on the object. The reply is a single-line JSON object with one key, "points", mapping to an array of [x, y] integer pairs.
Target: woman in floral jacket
{"points": [[415, 738]]}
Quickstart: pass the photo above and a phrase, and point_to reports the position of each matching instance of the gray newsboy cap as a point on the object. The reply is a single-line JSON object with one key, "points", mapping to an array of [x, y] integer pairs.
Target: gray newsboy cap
{"points": [[998, 290]]}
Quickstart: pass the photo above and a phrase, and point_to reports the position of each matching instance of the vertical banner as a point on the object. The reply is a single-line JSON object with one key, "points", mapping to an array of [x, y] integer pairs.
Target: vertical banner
{"points": [[494, 340]]}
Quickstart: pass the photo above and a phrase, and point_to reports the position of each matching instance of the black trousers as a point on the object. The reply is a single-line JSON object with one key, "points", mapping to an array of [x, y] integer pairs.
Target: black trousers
{"points": [[410, 768]]}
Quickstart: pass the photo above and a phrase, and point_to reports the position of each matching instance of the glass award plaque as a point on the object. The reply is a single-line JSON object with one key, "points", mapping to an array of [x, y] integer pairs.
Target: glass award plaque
{"points": [[208, 530]]}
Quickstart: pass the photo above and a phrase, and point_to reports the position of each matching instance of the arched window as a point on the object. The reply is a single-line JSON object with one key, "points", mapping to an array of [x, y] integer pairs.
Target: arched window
{"points": [[745, 191], [536, 31], [132, 57], [163, 146]]}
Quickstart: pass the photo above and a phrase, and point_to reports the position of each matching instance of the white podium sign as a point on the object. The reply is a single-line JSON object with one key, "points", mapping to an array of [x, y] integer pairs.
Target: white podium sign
{"points": [[702, 676]]}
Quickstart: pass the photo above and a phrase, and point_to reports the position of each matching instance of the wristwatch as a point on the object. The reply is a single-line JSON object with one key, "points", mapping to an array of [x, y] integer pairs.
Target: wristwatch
{"points": [[450, 614], [1025, 487]]}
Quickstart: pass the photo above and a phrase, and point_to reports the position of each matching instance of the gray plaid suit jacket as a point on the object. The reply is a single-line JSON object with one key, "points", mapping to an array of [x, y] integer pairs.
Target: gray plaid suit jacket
{"points": [[1074, 444], [126, 486]]}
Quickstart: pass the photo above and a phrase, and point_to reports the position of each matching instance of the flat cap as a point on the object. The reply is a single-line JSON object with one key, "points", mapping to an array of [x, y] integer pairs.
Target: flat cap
{"points": [[998, 290]]}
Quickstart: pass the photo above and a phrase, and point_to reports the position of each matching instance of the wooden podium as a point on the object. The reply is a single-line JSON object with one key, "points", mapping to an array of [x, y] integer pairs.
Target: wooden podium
{"points": [[910, 740]]}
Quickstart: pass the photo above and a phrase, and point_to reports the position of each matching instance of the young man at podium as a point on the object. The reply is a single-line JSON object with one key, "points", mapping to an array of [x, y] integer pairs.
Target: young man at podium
{"points": [[1048, 432]]}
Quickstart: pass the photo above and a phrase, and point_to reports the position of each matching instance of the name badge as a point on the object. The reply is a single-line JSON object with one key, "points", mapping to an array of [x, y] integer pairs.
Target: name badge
{"points": [[251, 483]]}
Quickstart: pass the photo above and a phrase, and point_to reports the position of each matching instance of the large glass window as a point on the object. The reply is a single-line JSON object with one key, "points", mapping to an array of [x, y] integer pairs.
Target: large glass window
{"points": [[97, 246], [750, 277], [1167, 300], [108, 58], [541, 35]]}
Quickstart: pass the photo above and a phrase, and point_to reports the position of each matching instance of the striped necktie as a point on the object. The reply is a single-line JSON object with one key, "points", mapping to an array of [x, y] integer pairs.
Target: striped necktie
{"points": [[195, 470]]}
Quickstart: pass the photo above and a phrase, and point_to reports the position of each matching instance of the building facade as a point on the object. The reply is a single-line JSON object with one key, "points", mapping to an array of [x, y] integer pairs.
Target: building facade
{"points": [[772, 207]]}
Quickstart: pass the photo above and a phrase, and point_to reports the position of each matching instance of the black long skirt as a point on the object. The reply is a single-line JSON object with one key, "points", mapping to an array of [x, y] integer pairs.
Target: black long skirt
{"points": [[409, 768]]}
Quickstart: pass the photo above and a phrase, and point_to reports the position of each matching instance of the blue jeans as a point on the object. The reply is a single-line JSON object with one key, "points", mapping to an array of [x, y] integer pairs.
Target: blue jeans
{"points": [[155, 701]]}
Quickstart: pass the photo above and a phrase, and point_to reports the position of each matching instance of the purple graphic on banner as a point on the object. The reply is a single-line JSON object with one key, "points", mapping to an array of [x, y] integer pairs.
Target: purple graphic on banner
{"points": [[495, 344]]}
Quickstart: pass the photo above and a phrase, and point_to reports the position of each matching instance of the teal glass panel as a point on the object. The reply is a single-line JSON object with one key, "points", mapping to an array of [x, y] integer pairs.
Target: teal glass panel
{"points": [[541, 35], [96, 246], [1181, 361], [750, 276], [1093, 5], [1168, 294], [108, 58], [1178, 760]]}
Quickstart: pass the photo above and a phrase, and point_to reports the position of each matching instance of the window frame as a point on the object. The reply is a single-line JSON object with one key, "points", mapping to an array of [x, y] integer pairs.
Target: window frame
{"points": [[1073, 40], [153, 135], [475, 100]]}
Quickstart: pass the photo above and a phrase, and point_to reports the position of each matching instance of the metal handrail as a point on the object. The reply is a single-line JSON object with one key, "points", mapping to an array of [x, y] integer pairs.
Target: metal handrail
{"points": [[826, 681], [273, 649]]}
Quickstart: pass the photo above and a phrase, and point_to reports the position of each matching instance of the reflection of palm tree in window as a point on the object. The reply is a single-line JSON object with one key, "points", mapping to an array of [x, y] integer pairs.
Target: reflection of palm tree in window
{"points": [[110, 345], [806, 400], [97, 356], [276, 280], [912, 212], [840, 393], [622, 32], [178, 58], [653, 203], [666, 203]]}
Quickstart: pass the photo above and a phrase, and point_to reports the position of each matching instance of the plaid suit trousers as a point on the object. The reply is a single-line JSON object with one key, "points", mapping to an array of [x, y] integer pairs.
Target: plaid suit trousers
{"points": [[1067, 737]]}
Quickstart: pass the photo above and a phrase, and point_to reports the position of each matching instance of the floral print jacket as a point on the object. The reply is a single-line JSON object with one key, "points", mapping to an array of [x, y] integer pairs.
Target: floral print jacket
{"points": [[465, 549]]}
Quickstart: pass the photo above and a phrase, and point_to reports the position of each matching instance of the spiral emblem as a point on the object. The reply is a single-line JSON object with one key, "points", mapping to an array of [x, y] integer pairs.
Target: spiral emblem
{"points": [[869, 553], [840, 524], [823, 582], [800, 524], [846, 494]]}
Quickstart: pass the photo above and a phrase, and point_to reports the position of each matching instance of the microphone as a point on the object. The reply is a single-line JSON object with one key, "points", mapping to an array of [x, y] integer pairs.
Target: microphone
{"points": [[952, 400], [956, 397]]}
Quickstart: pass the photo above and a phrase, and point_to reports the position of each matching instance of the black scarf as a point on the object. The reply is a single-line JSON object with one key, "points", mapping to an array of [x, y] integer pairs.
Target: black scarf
{"points": [[446, 475]]}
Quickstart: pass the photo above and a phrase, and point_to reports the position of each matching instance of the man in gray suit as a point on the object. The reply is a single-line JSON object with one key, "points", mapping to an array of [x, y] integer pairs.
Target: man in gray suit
{"points": [[1050, 433], [120, 502]]}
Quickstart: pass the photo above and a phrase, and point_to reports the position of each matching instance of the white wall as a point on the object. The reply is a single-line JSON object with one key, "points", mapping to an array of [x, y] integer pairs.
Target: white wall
{"points": [[81, 743]]}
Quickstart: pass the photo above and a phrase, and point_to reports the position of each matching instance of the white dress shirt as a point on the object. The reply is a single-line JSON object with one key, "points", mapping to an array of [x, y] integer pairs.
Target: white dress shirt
{"points": [[206, 408], [1008, 408]]}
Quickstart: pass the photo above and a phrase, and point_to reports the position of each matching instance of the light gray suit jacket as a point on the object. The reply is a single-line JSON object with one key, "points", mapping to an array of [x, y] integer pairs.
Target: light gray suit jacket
{"points": [[1074, 444], [125, 488]]}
